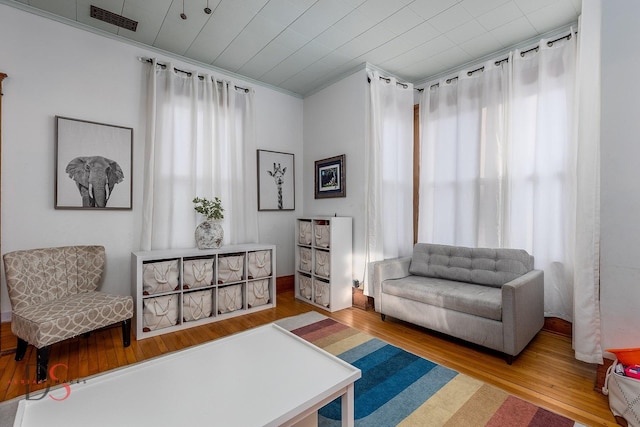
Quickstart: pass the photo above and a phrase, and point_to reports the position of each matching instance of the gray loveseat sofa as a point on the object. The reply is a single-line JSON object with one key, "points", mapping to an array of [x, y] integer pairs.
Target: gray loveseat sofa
{"points": [[490, 297]]}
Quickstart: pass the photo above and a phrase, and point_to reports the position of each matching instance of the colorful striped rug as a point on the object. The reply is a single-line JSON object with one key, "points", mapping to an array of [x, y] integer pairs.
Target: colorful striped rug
{"points": [[400, 388]]}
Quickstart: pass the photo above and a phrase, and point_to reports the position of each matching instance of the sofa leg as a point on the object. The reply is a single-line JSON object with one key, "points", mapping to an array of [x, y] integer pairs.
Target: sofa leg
{"points": [[126, 333], [383, 317], [42, 362], [21, 350], [509, 358]]}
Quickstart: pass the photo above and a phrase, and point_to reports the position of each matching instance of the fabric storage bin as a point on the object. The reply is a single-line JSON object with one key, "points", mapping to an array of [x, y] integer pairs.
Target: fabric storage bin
{"points": [[321, 234], [197, 273], [258, 293], [624, 395], [305, 259], [229, 298], [304, 286], [160, 312], [161, 276], [322, 264], [230, 268], [304, 232], [259, 264], [197, 305], [322, 292]]}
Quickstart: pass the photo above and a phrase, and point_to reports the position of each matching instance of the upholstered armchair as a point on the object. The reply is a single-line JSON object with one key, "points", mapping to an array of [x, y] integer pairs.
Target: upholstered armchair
{"points": [[53, 293]]}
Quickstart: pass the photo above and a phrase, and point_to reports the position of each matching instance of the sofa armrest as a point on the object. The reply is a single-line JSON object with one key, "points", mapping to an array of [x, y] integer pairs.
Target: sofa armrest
{"points": [[379, 271], [522, 310]]}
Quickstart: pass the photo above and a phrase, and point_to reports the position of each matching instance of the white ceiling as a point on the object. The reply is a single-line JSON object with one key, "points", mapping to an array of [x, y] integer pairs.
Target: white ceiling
{"points": [[300, 45]]}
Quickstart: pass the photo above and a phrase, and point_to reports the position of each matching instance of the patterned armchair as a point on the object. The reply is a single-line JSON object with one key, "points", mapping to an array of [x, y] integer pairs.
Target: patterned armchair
{"points": [[53, 297]]}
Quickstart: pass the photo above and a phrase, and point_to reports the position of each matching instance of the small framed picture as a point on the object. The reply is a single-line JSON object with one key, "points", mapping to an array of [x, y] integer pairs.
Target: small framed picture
{"points": [[94, 163], [331, 177], [276, 181]]}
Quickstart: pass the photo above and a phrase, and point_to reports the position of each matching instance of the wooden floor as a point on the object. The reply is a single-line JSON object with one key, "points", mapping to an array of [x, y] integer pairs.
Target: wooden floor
{"points": [[546, 373]]}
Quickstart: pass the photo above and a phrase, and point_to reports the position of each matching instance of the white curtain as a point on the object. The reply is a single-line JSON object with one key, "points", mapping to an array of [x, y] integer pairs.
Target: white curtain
{"points": [[200, 142], [388, 171], [586, 300], [500, 167]]}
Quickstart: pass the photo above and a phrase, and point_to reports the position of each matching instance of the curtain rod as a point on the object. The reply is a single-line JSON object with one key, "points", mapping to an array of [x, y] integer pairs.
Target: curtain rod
{"points": [[188, 73], [500, 61], [388, 80]]}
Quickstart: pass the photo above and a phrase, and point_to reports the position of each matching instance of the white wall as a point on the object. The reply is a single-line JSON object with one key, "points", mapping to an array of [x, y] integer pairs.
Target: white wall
{"points": [[620, 188], [335, 123], [62, 70]]}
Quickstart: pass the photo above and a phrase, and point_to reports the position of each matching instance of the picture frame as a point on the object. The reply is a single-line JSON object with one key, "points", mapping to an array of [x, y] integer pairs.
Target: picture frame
{"points": [[276, 181], [94, 165], [331, 177]]}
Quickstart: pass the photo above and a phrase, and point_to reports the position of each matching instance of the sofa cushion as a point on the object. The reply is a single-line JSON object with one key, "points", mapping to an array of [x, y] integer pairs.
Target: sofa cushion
{"points": [[491, 267], [72, 315], [477, 300]]}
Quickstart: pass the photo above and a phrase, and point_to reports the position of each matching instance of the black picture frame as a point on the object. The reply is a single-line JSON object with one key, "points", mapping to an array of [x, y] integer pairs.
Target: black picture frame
{"points": [[276, 181], [94, 165], [331, 177]]}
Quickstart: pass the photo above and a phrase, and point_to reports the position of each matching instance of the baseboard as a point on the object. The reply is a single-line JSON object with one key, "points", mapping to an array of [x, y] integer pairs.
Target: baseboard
{"points": [[601, 374], [285, 283], [5, 316], [558, 326]]}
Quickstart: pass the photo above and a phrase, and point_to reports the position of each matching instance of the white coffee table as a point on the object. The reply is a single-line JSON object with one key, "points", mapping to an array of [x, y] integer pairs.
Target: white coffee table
{"points": [[261, 377]]}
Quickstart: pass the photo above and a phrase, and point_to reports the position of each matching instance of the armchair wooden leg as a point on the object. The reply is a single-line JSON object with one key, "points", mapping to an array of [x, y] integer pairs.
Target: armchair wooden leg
{"points": [[126, 333], [21, 350], [42, 362], [383, 317]]}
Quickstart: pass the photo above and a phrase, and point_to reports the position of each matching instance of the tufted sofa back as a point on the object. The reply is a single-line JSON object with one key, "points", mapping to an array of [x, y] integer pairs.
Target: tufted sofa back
{"points": [[491, 267], [37, 276]]}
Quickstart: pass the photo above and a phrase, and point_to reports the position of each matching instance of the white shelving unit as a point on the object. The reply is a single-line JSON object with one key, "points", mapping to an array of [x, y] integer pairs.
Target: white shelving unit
{"points": [[226, 282], [324, 262]]}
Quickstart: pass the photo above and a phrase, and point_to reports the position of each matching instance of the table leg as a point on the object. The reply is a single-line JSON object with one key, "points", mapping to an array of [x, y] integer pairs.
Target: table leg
{"points": [[348, 412]]}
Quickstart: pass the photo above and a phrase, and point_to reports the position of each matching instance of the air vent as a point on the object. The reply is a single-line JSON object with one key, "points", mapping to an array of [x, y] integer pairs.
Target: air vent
{"points": [[112, 18]]}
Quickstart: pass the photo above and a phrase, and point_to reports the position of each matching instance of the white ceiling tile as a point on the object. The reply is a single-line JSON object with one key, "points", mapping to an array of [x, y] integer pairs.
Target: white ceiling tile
{"points": [[528, 6], [515, 32], [333, 38], [255, 36], [402, 21], [224, 25], [379, 10], [480, 7], [265, 60], [66, 8], [176, 34], [282, 11], [354, 24], [420, 34], [365, 42], [427, 9], [450, 19], [253, 6], [335, 59], [500, 16], [320, 16], [292, 39], [149, 16], [425, 50], [481, 45], [466, 32], [552, 17]]}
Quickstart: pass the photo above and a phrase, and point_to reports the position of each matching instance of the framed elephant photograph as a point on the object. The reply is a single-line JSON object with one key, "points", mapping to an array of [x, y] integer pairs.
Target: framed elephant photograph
{"points": [[94, 163]]}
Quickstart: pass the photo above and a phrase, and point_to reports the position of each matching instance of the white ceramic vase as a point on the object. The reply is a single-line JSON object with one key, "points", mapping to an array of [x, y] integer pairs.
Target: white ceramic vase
{"points": [[209, 234]]}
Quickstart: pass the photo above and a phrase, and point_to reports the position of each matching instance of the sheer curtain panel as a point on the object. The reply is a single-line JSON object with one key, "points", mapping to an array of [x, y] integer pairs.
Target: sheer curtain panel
{"points": [[388, 171], [502, 166], [200, 142]]}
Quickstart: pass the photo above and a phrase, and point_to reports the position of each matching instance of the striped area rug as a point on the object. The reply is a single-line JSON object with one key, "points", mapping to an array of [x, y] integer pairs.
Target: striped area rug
{"points": [[400, 388]]}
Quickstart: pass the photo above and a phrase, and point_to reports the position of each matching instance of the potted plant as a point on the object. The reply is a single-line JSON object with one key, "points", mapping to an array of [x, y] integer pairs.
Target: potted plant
{"points": [[209, 233]]}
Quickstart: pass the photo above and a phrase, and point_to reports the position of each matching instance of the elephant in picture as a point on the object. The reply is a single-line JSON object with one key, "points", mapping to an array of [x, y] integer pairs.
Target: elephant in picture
{"points": [[95, 177]]}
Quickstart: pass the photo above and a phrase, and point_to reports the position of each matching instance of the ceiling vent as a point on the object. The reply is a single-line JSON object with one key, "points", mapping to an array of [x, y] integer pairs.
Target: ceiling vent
{"points": [[112, 18]]}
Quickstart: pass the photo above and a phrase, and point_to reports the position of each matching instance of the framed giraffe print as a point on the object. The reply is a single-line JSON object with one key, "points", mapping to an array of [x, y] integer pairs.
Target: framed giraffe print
{"points": [[331, 178], [276, 181]]}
